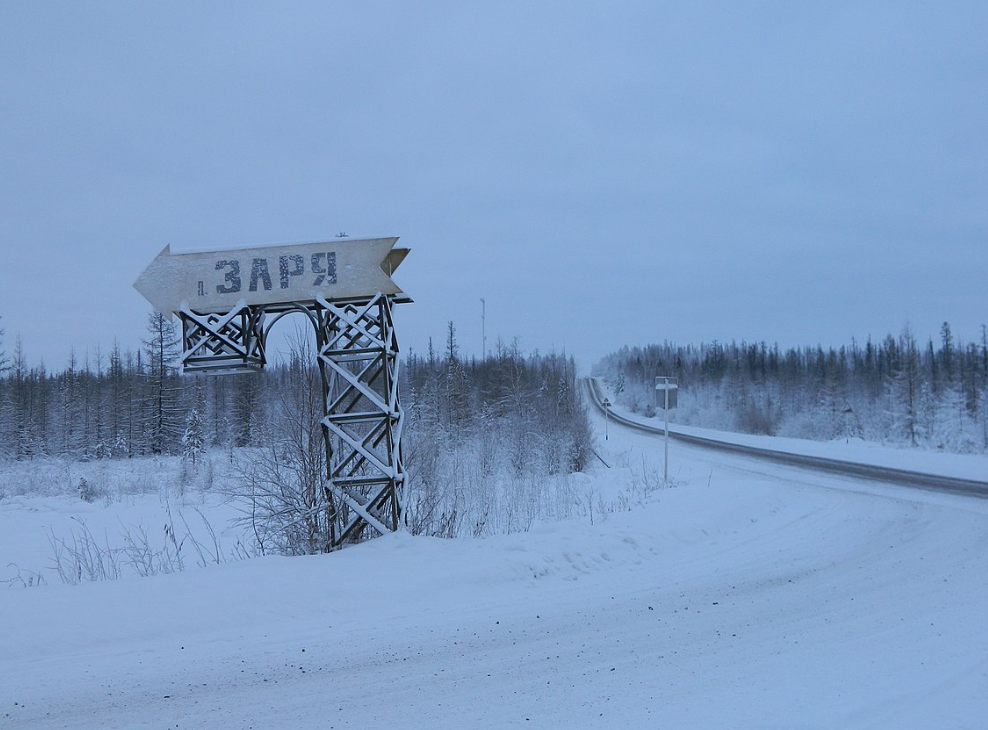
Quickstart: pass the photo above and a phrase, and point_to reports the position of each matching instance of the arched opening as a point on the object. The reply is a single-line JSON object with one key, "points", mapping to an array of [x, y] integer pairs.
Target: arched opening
{"points": [[332, 463]]}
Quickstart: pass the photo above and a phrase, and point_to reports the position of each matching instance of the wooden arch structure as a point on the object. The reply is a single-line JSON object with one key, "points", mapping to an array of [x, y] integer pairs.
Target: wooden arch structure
{"points": [[357, 352]]}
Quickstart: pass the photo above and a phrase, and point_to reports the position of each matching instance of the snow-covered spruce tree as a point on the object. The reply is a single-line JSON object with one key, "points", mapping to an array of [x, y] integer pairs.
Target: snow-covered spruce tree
{"points": [[118, 388], [983, 418], [69, 404], [246, 409], [456, 385], [908, 389], [26, 407], [219, 410], [97, 429], [162, 393], [7, 431], [194, 439], [4, 360], [953, 426]]}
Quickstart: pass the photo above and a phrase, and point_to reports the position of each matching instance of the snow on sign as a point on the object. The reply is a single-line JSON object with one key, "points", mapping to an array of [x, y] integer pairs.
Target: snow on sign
{"points": [[222, 299], [670, 390], [219, 280]]}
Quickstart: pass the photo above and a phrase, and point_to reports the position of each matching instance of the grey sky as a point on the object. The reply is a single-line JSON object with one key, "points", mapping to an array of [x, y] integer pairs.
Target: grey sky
{"points": [[602, 173]]}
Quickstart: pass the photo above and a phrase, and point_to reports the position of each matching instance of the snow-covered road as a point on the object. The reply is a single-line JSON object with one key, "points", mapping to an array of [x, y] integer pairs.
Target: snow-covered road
{"points": [[748, 596]]}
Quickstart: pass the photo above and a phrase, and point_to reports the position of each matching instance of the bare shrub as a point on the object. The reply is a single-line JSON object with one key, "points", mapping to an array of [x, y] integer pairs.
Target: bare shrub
{"points": [[24, 578], [89, 492], [287, 509], [82, 558]]}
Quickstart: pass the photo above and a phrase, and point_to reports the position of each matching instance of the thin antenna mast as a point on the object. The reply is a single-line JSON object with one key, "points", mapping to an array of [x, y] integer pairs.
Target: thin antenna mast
{"points": [[483, 328]]}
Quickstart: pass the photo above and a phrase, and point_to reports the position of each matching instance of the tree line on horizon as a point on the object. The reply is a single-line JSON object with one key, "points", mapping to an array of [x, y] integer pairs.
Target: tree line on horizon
{"points": [[118, 403], [133, 402], [896, 391]]}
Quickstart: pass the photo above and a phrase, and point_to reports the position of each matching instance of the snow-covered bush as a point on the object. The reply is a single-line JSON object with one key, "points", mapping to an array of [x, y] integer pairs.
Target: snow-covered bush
{"points": [[91, 492], [490, 445], [82, 557]]}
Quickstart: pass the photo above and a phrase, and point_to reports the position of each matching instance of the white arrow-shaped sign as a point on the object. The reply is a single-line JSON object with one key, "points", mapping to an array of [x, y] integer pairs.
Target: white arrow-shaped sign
{"points": [[218, 280]]}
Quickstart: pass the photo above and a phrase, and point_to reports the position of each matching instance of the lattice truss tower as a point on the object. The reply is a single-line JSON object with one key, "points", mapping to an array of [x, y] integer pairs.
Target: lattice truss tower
{"points": [[363, 422]]}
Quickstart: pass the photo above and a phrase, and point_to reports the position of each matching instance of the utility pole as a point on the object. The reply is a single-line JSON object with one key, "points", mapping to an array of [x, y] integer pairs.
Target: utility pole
{"points": [[483, 328], [607, 413]]}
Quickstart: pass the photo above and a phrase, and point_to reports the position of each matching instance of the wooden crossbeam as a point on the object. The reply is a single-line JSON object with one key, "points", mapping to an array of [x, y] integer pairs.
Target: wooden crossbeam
{"points": [[357, 353]]}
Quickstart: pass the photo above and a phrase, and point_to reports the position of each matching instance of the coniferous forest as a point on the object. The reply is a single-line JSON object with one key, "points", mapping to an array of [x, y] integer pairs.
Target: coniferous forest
{"points": [[134, 402], [476, 430], [899, 390], [120, 403]]}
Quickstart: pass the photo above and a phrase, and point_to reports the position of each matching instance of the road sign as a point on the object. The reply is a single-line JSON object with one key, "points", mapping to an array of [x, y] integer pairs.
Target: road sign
{"points": [[219, 280], [669, 387], [671, 392], [223, 298]]}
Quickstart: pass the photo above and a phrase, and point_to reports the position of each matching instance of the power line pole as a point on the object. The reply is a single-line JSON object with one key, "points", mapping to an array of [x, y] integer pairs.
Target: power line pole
{"points": [[483, 328]]}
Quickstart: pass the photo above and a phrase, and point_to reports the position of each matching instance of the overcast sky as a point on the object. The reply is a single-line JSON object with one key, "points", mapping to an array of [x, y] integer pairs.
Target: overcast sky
{"points": [[601, 173]]}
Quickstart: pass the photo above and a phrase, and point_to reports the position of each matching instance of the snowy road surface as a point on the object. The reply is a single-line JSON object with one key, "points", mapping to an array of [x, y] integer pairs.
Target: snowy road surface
{"points": [[937, 470], [750, 595]]}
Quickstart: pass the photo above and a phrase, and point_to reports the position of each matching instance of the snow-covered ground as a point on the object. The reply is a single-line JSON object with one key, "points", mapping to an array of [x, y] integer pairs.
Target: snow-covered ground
{"points": [[138, 504], [749, 595]]}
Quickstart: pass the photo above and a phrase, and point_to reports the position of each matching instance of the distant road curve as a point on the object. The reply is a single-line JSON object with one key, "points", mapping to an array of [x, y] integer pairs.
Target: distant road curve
{"points": [[968, 487]]}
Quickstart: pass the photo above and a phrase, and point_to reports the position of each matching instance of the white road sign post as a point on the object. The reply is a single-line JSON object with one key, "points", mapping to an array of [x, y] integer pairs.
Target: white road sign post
{"points": [[670, 392]]}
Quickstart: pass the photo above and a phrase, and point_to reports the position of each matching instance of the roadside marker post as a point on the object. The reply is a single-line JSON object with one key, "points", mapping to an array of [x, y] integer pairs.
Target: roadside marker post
{"points": [[670, 389]]}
